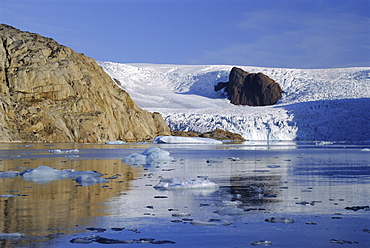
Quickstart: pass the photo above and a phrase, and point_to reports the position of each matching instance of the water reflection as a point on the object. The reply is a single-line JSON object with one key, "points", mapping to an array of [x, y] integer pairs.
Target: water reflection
{"points": [[41, 210], [306, 184]]}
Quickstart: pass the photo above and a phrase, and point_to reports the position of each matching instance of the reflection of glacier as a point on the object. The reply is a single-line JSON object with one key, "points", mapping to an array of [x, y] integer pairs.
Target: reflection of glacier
{"points": [[305, 180]]}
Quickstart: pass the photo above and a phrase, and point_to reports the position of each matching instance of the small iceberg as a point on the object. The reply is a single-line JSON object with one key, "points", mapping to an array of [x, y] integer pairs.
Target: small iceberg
{"points": [[156, 154], [148, 156], [11, 235], [279, 220], [64, 151], [230, 211], [185, 140], [176, 183], [44, 174], [8, 174]]}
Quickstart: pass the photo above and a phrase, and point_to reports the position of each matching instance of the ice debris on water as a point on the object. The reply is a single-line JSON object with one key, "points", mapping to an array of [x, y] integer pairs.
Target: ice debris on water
{"points": [[64, 151], [9, 195], [342, 242], [8, 174], [11, 235], [209, 223], [279, 220], [176, 183], [261, 242], [230, 211], [44, 174], [148, 156], [365, 150], [102, 240]]}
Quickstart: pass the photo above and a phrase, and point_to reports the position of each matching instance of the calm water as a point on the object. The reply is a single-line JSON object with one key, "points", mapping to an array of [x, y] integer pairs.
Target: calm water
{"points": [[310, 184]]}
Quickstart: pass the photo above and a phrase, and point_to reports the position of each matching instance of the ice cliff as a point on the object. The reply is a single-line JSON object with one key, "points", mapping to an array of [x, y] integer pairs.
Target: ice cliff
{"points": [[317, 104]]}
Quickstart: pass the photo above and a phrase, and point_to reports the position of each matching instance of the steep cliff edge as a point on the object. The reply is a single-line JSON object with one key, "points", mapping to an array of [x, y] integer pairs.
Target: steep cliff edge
{"points": [[49, 93]]}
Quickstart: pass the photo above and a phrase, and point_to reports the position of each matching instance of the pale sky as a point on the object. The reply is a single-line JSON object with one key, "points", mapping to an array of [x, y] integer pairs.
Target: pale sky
{"points": [[269, 33]]}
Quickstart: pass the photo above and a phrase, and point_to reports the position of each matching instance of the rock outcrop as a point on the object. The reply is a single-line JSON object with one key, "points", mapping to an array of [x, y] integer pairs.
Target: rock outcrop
{"points": [[253, 89], [217, 134], [49, 93]]}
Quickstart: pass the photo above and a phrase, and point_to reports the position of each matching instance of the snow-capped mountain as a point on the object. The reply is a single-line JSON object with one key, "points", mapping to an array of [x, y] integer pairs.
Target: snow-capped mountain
{"points": [[318, 104]]}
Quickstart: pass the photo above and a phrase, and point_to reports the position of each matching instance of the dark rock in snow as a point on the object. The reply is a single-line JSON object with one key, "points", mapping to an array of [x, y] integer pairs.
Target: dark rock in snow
{"points": [[253, 89]]}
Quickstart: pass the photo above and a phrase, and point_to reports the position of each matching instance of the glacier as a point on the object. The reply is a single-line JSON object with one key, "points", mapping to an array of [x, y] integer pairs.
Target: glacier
{"points": [[317, 104]]}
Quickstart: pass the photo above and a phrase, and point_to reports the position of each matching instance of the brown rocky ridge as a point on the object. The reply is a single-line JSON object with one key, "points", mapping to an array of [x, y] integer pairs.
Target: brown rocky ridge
{"points": [[253, 89], [49, 93], [217, 134]]}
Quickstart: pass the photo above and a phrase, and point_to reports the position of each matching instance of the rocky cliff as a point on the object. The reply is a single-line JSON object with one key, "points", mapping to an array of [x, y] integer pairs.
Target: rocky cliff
{"points": [[49, 93], [253, 89]]}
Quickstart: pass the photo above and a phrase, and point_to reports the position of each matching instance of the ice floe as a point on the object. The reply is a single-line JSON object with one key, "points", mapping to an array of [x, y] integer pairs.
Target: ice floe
{"points": [[279, 220], [176, 183], [9, 195], [44, 174], [230, 211], [9, 174], [64, 151], [11, 235], [148, 156], [185, 140]]}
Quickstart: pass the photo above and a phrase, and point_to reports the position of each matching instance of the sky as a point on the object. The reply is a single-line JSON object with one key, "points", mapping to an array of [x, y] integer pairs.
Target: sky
{"points": [[268, 33]]}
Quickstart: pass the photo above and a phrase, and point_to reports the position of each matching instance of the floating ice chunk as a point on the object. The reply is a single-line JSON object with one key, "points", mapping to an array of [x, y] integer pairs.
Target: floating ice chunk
{"points": [[11, 235], [176, 183], [180, 215], [156, 154], [231, 203], [365, 150], [9, 195], [44, 174], [64, 151], [115, 142], [279, 220], [185, 140], [135, 159], [261, 242], [151, 156], [9, 174], [230, 211], [202, 223]]}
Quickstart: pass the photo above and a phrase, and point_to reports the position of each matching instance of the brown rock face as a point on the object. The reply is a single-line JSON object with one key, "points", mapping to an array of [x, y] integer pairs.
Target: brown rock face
{"points": [[217, 134], [253, 89], [49, 93]]}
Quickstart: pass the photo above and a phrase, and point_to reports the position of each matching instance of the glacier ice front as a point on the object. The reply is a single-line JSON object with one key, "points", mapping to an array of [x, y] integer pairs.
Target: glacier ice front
{"points": [[185, 140], [177, 183]]}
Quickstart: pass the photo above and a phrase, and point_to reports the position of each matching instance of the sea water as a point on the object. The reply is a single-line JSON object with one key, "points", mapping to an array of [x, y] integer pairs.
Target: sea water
{"points": [[280, 194]]}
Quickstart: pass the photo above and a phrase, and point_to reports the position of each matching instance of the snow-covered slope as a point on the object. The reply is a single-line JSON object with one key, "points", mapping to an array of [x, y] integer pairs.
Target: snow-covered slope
{"points": [[318, 104]]}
